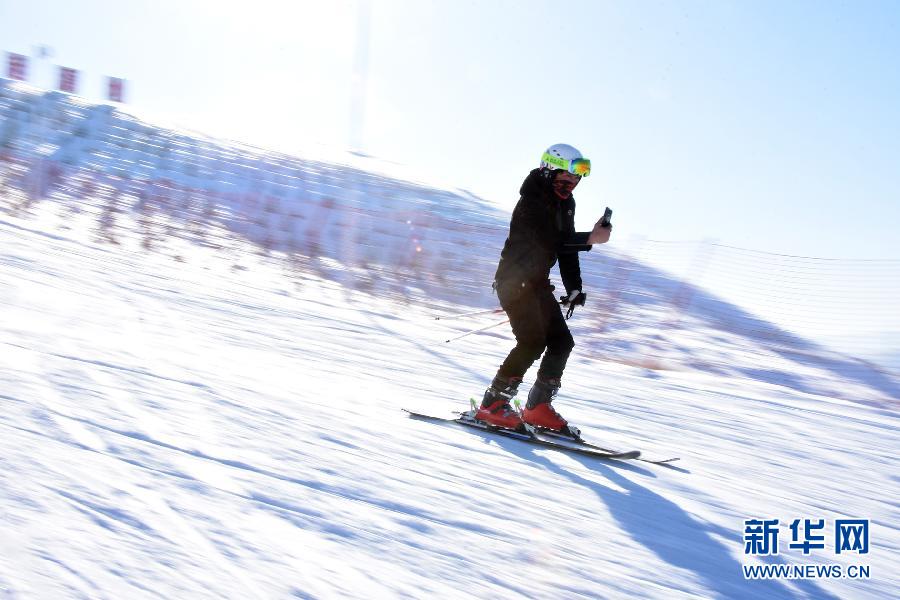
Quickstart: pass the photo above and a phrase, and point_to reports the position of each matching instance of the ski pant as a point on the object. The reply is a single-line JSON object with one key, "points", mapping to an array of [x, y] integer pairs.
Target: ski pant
{"points": [[538, 324]]}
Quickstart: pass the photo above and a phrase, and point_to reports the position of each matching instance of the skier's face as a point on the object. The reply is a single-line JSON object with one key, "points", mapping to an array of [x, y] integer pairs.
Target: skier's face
{"points": [[564, 183]]}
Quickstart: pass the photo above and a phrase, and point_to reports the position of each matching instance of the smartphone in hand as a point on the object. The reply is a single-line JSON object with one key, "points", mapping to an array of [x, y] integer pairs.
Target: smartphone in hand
{"points": [[606, 219]]}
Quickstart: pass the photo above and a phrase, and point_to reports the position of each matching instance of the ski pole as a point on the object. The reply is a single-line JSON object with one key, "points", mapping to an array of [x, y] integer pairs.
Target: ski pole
{"points": [[470, 314], [477, 330]]}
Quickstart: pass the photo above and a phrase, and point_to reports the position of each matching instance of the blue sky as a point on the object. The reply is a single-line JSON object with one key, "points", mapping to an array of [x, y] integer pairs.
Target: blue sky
{"points": [[767, 125]]}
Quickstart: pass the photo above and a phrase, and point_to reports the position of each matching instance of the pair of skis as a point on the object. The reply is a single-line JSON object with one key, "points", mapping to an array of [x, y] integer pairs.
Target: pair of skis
{"points": [[570, 441]]}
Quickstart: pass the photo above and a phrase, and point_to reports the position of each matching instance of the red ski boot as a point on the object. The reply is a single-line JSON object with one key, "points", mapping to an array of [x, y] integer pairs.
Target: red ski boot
{"points": [[495, 409], [539, 410], [499, 414]]}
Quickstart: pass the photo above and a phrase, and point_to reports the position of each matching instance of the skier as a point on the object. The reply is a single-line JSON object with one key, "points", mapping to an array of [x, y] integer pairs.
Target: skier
{"points": [[542, 231]]}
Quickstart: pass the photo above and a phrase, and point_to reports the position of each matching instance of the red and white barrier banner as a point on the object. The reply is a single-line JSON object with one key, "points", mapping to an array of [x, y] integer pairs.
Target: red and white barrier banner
{"points": [[17, 66], [116, 89], [68, 80]]}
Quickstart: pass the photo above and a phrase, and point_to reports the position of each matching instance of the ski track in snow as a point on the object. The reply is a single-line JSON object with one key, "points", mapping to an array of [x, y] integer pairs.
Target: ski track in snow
{"points": [[178, 430]]}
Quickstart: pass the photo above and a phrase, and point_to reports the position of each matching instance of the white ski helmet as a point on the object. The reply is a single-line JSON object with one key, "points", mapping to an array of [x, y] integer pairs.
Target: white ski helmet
{"points": [[566, 158]]}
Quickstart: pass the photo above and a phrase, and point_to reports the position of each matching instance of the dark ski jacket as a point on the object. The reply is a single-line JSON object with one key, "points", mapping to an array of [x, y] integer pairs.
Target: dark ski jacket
{"points": [[542, 231]]}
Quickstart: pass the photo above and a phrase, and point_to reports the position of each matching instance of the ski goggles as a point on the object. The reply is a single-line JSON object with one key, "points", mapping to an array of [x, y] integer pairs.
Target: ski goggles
{"points": [[577, 166]]}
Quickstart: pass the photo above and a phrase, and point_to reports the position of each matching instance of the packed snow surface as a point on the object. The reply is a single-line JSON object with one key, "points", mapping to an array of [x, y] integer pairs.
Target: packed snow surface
{"points": [[182, 417], [179, 429]]}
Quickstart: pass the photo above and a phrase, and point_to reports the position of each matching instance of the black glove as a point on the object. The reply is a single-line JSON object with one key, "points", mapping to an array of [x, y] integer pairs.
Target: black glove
{"points": [[575, 298]]}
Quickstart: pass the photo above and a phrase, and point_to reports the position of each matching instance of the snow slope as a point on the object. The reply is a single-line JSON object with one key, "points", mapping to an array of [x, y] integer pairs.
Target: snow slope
{"points": [[185, 416], [180, 429]]}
